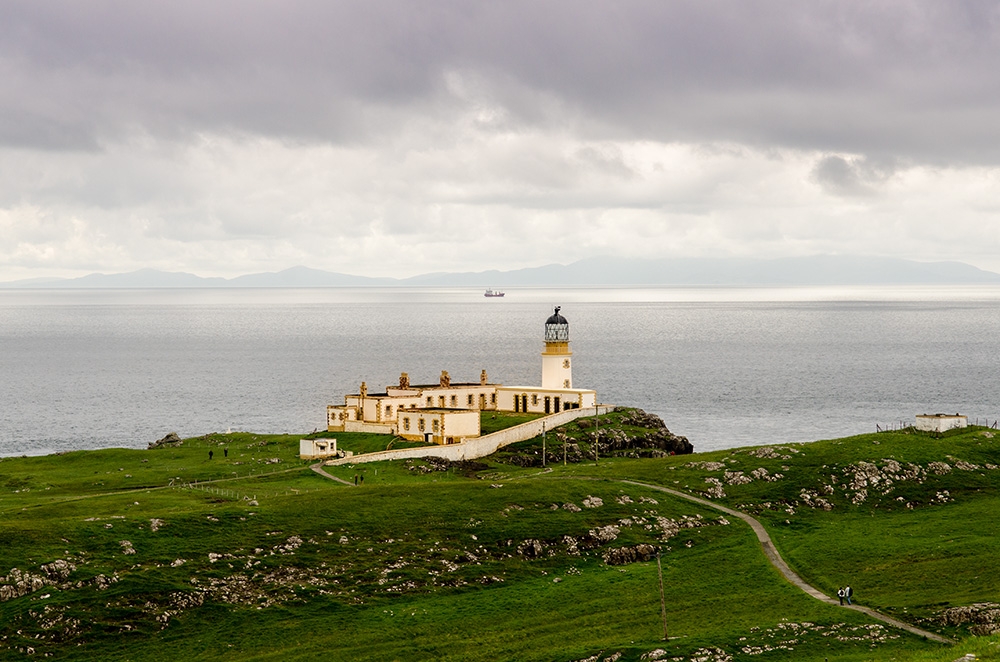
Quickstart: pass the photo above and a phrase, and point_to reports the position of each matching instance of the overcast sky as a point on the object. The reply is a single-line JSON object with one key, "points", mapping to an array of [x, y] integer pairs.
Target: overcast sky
{"points": [[395, 138]]}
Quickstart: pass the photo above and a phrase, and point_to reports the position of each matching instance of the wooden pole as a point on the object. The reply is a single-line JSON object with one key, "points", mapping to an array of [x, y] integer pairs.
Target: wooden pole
{"points": [[663, 602], [597, 430], [543, 444]]}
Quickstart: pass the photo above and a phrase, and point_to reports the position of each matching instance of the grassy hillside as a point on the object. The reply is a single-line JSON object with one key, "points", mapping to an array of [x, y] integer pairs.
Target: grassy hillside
{"points": [[121, 555]]}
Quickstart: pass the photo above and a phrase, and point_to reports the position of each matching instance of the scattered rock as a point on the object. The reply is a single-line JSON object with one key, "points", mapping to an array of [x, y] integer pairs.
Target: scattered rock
{"points": [[18, 583], [531, 549], [102, 582], [633, 554], [605, 534], [58, 570]]}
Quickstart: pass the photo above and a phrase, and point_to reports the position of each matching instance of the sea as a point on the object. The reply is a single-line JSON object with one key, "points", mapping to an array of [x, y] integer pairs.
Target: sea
{"points": [[725, 367]]}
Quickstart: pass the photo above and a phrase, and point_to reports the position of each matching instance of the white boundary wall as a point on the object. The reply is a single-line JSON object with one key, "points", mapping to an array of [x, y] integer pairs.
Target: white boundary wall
{"points": [[941, 422], [473, 449]]}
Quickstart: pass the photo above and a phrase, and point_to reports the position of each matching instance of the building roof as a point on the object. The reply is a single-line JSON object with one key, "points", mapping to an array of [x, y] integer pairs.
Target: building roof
{"points": [[428, 387], [556, 318]]}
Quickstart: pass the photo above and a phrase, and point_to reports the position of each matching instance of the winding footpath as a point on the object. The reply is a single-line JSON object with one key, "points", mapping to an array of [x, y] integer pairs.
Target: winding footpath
{"points": [[790, 575], [318, 468]]}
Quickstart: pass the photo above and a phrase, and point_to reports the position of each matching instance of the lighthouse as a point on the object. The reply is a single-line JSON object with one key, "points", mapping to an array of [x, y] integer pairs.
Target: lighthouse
{"points": [[448, 412], [557, 362]]}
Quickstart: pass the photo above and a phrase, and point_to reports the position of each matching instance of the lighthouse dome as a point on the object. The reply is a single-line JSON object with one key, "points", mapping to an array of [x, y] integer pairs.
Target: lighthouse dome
{"points": [[556, 318]]}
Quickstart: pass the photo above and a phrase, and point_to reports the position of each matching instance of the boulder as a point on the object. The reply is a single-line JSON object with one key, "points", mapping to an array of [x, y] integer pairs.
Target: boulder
{"points": [[170, 440]]}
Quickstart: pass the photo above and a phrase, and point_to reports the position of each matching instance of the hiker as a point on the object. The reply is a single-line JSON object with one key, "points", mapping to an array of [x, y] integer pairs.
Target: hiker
{"points": [[848, 593], [225, 452], [210, 455], [355, 480], [362, 479], [841, 594]]}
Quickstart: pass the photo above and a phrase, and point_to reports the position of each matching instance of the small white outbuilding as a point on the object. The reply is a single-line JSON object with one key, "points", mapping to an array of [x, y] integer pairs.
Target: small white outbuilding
{"points": [[317, 449], [941, 422]]}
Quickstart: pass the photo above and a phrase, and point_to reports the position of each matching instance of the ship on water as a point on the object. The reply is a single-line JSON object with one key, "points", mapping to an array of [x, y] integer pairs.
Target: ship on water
{"points": [[493, 293]]}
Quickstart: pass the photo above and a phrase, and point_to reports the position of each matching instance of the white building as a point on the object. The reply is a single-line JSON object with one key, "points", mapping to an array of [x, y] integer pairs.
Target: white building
{"points": [[317, 449], [454, 408], [941, 422]]}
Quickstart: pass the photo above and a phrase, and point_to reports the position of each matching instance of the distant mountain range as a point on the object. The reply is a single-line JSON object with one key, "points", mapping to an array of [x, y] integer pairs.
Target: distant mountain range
{"points": [[598, 271]]}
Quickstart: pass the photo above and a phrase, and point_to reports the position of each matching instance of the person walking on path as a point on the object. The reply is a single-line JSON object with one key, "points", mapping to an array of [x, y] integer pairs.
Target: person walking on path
{"points": [[355, 480], [840, 594], [849, 593]]}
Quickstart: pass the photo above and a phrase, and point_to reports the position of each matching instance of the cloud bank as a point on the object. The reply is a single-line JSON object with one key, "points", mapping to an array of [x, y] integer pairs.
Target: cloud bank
{"points": [[393, 138]]}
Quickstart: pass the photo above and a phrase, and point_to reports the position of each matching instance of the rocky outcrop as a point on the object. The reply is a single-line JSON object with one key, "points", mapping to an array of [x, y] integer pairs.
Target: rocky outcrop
{"points": [[634, 434], [170, 440], [983, 618], [633, 554], [655, 436], [18, 583]]}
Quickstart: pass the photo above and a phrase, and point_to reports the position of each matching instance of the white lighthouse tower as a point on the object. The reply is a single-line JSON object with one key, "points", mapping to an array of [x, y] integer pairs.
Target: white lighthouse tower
{"points": [[557, 362]]}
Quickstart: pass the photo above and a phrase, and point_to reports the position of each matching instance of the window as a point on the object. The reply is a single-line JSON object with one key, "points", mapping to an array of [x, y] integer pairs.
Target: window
{"points": [[441, 400], [430, 400], [454, 400], [566, 363], [534, 398], [434, 425], [388, 411], [469, 400], [493, 398], [421, 425], [565, 383], [406, 423]]}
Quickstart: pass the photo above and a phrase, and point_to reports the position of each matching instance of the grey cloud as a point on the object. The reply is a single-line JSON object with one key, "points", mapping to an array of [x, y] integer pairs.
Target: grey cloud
{"points": [[912, 80], [850, 176]]}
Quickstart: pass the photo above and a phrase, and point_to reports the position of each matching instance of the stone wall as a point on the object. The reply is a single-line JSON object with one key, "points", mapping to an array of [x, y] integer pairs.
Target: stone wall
{"points": [[371, 428], [479, 447]]}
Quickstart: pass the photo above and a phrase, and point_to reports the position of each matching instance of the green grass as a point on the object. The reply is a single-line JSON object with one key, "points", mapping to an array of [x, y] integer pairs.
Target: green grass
{"points": [[494, 421], [429, 562]]}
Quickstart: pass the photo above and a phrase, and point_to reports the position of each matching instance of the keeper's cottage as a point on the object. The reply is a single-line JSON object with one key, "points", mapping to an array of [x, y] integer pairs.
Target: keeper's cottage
{"points": [[448, 412]]}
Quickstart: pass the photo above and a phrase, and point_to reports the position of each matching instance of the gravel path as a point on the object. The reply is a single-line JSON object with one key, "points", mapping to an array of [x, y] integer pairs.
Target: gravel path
{"points": [[318, 468], [790, 575]]}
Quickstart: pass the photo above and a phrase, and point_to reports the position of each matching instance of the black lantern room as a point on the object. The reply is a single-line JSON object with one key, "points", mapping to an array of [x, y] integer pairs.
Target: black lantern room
{"points": [[556, 328]]}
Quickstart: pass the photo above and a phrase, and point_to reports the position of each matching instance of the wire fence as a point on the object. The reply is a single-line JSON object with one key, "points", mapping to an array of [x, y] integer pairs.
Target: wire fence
{"points": [[238, 495]]}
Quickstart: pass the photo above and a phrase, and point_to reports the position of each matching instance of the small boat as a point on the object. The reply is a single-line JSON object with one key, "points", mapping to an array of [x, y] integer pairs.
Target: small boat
{"points": [[494, 293]]}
